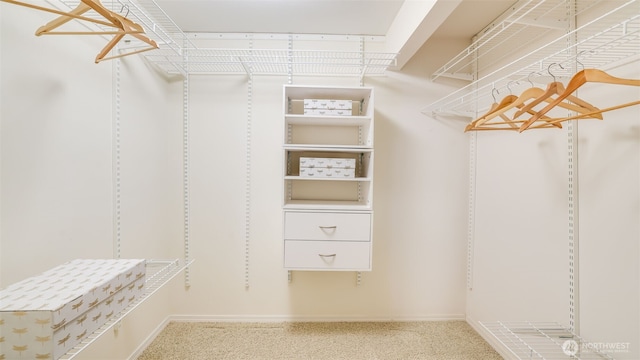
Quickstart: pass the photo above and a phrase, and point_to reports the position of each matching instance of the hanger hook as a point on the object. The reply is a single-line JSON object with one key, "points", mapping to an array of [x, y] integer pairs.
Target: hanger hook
{"points": [[493, 94], [509, 87], [578, 57], [124, 6], [529, 77], [549, 70]]}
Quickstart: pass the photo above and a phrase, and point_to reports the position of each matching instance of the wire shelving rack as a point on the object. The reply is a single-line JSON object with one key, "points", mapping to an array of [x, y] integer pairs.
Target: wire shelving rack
{"points": [[608, 40], [548, 340], [178, 54]]}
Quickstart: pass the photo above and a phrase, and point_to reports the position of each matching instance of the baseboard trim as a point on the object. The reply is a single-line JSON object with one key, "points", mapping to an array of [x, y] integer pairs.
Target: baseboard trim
{"points": [[152, 336], [284, 318], [321, 318]]}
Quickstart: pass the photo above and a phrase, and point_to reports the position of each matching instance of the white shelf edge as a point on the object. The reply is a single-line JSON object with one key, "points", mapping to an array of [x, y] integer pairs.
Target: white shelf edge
{"points": [[331, 148], [154, 282], [328, 270], [300, 92], [349, 120], [302, 178], [321, 147], [328, 205]]}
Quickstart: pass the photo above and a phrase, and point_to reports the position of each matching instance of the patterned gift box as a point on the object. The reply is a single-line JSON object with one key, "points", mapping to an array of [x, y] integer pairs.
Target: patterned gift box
{"points": [[44, 316], [328, 104], [327, 167]]}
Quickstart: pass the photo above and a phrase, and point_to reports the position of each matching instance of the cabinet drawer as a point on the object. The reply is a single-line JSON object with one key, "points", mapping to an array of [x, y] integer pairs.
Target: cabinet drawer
{"points": [[327, 226], [327, 255]]}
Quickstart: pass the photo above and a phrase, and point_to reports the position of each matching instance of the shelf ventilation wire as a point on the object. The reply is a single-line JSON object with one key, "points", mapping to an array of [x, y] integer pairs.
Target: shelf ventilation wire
{"points": [[605, 41]]}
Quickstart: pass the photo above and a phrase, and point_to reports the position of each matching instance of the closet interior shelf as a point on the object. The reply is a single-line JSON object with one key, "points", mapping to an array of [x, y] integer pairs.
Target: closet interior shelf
{"points": [[178, 53], [609, 40], [158, 274], [548, 340]]}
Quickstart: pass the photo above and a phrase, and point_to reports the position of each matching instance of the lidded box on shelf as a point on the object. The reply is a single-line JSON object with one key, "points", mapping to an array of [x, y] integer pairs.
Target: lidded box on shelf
{"points": [[327, 167], [330, 107], [45, 316]]}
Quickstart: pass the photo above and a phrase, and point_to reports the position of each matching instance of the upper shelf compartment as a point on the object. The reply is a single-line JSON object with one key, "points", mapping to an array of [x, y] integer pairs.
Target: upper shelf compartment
{"points": [[328, 116], [360, 98]]}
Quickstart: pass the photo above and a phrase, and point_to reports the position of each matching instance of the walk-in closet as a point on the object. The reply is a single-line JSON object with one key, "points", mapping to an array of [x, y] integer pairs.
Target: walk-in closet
{"points": [[320, 179]]}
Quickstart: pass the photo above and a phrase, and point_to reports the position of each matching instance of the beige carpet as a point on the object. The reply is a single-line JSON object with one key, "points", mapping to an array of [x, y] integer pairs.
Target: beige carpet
{"points": [[437, 340]]}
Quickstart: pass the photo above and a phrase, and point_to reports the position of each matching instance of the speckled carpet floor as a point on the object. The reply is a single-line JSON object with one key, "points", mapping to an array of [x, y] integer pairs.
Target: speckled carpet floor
{"points": [[432, 340]]}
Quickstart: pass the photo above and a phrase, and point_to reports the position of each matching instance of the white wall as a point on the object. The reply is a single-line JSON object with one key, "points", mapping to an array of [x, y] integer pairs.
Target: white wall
{"points": [[58, 152], [609, 188], [418, 269]]}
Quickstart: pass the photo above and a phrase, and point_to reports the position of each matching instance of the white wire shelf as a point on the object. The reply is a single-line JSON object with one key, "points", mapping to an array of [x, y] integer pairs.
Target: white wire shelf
{"points": [[547, 340], [527, 19], [158, 274], [177, 53], [610, 39], [272, 62], [146, 13]]}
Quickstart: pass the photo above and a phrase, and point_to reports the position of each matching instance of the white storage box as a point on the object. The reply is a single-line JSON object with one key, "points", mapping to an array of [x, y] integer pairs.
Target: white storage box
{"points": [[43, 317], [327, 167], [327, 112], [328, 104], [327, 173], [342, 163]]}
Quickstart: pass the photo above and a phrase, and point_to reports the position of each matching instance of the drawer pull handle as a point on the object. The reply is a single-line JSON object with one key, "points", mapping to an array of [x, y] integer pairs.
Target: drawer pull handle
{"points": [[327, 227], [326, 255]]}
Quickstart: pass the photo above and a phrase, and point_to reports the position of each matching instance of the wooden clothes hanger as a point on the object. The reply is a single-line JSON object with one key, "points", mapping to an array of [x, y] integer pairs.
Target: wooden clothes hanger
{"points": [[494, 107], [513, 125], [537, 96], [83, 7], [122, 26], [580, 78], [131, 28], [557, 88], [475, 126], [497, 109], [487, 123], [509, 102], [73, 14], [582, 116]]}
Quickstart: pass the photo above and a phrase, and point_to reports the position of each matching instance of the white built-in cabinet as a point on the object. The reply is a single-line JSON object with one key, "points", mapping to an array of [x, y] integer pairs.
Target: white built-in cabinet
{"points": [[328, 178]]}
